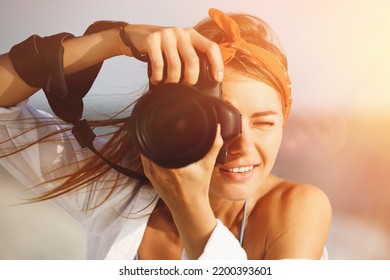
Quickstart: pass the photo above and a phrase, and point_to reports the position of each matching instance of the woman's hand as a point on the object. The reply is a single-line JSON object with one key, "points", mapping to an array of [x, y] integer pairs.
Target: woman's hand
{"points": [[187, 185], [177, 48], [186, 193]]}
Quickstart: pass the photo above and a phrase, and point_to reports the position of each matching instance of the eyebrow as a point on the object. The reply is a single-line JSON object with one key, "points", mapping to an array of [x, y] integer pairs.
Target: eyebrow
{"points": [[259, 113], [263, 114]]}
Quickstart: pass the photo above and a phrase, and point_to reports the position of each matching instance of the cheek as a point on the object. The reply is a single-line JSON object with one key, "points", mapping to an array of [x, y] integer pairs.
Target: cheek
{"points": [[269, 144]]}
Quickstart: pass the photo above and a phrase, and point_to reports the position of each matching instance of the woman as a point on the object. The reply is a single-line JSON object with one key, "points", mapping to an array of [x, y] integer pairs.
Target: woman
{"points": [[235, 210]]}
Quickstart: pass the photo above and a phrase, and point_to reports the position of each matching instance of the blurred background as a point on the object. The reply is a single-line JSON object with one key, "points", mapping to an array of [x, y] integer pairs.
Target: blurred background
{"points": [[337, 138]]}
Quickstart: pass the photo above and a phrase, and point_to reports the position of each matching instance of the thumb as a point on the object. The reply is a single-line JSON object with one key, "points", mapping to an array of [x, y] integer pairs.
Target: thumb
{"points": [[218, 143]]}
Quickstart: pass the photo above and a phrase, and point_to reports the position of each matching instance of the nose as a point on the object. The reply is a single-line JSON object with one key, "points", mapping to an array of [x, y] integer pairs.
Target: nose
{"points": [[244, 144]]}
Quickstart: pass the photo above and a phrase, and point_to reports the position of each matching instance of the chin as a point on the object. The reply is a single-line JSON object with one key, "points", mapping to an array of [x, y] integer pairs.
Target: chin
{"points": [[237, 187], [233, 191]]}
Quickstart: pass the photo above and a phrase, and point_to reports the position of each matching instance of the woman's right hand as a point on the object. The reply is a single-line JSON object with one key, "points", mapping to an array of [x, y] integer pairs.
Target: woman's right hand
{"points": [[177, 48], [186, 193]]}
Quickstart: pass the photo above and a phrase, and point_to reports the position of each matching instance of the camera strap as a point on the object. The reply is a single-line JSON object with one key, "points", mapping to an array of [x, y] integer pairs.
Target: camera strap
{"points": [[85, 136], [65, 93]]}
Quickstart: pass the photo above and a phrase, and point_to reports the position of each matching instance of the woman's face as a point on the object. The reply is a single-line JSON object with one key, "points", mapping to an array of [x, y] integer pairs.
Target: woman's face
{"points": [[251, 156]]}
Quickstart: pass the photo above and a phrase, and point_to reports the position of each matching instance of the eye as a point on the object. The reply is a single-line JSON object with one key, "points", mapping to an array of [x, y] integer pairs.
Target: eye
{"points": [[264, 119], [263, 123]]}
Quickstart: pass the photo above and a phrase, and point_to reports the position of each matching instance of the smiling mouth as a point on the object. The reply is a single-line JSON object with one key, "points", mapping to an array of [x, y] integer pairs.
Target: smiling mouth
{"points": [[241, 169]]}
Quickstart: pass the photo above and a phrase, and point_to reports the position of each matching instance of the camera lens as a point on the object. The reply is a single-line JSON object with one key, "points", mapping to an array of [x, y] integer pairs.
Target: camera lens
{"points": [[174, 125]]}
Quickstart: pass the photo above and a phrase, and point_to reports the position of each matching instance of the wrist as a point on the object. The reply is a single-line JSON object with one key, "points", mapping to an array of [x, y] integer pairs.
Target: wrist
{"points": [[123, 47], [126, 40], [111, 32], [195, 225]]}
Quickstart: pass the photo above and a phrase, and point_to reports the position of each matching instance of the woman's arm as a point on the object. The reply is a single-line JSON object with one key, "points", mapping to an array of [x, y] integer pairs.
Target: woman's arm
{"points": [[79, 53], [174, 46]]}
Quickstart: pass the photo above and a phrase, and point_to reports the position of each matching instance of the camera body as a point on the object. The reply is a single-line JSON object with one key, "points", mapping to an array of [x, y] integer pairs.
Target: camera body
{"points": [[175, 125]]}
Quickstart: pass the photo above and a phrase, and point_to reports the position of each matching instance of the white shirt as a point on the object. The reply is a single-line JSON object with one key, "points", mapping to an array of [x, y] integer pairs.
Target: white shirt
{"points": [[115, 228]]}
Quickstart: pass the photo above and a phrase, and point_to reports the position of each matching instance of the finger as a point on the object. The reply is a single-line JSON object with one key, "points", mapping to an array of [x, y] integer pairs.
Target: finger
{"points": [[190, 62], [191, 67], [172, 57], [145, 164], [156, 58], [214, 151], [150, 169], [218, 142], [174, 65], [212, 52]]}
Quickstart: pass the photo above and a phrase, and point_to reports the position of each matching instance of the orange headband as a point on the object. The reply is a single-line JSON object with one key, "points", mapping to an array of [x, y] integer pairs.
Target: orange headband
{"points": [[229, 50]]}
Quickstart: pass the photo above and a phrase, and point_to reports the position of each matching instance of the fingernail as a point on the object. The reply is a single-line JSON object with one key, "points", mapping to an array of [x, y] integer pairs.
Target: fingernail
{"points": [[220, 76]]}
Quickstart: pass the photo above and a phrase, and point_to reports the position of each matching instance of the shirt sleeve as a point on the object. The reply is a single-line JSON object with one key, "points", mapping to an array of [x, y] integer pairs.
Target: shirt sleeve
{"points": [[22, 125], [115, 227], [222, 245], [38, 166]]}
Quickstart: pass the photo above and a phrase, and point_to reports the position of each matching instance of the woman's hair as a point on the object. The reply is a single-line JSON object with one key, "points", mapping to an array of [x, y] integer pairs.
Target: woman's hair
{"points": [[120, 148], [254, 31]]}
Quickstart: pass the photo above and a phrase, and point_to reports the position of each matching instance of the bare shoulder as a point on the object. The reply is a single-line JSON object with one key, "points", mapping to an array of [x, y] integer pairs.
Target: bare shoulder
{"points": [[285, 195], [298, 217]]}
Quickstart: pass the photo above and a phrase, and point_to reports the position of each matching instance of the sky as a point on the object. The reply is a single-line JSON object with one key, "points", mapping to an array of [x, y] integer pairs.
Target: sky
{"points": [[337, 50]]}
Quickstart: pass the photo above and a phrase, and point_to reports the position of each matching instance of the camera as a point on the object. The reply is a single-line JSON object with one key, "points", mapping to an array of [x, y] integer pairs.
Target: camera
{"points": [[174, 124]]}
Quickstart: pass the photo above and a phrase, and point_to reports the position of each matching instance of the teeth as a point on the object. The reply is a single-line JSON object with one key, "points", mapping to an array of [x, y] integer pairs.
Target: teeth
{"points": [[241, 169]]}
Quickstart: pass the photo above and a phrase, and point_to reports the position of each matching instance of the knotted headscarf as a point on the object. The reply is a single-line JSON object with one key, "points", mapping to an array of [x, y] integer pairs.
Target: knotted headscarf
{"points": [[237, 44]]}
